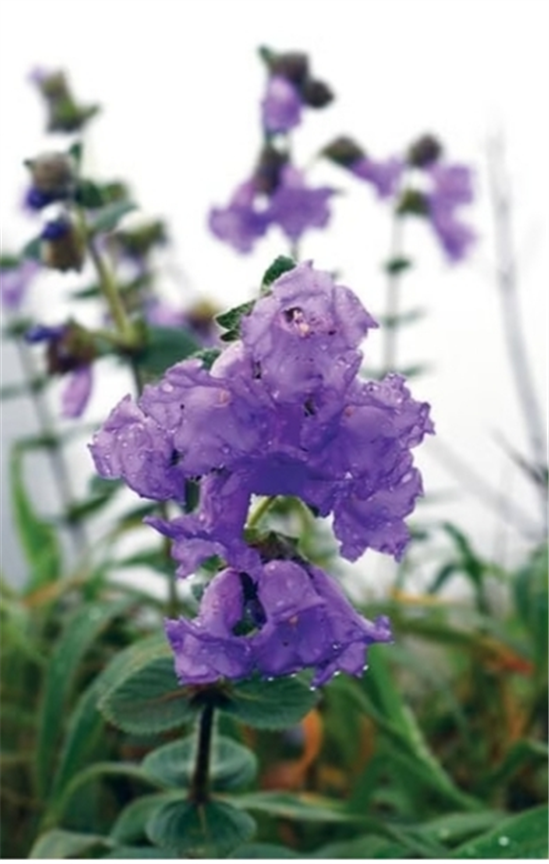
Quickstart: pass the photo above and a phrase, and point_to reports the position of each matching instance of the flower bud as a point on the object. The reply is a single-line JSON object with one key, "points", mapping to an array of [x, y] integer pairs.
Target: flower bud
{"points": [[267, 173], [343, 151], [316, 94], [53, 174], [62, 246], [292, 65], [424, 151]]}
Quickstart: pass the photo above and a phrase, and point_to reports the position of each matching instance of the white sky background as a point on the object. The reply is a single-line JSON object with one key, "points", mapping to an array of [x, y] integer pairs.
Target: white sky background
{"points": [[181, 83]]}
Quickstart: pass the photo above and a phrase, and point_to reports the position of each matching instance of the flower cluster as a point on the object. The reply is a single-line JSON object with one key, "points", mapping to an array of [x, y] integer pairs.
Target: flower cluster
{"points": [[277, 193], [282, 411], [421, 183], [70, 354], [289, 203]]}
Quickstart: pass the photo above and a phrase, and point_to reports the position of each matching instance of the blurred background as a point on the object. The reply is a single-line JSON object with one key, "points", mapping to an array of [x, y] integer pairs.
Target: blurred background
{"points": [[181, 83]]}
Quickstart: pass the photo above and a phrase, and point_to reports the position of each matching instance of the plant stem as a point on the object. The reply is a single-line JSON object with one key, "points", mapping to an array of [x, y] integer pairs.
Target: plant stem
{"points": [[199, 790], [110, 291], [260, 511], [59, 467], [392, 300], [507, 280]]}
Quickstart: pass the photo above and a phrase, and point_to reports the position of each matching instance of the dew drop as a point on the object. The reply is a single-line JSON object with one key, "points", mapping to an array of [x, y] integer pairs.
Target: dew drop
{"points": [[312, 688], [503, 841], [270, 678]]}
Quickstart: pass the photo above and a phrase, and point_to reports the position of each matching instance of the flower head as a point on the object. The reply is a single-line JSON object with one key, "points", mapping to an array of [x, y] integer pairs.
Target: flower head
{"points": [[15, 279], [282, 617], [281, 106]]}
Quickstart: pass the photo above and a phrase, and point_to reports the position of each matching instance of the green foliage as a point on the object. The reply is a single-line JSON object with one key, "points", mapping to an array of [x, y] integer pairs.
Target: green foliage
{"points": [[274, 704], [522, 836], [165, 346], [280, 265], [205, 830], [231, 766], [39, 540], [148, 701], [230, 321]]}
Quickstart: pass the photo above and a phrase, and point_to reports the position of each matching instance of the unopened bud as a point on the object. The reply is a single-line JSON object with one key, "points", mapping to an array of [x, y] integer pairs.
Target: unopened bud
{"points": [[343, 151], [316, 94], [293, 65], [53, 174], [424, 151], [267, 173], [62, 246]]}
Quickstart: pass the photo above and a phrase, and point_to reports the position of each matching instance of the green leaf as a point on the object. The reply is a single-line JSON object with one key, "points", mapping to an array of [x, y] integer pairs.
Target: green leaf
{"points": [[522, 836], [263, 851], [207, 356], [12, 391], [148, 701], [108, 217], [397, 265], [305, 807], [166, 346], [130, 824], [86, 720], [88, 195], [38, 539], [367, 847], [32, 249], [202, 830], [383, 702], [231, 764], [273, 704], [136, 853], [65, 844], [393, 322], [454, 828], [280, 265], [521, 755], [79, 635], [531, 598], [230, 320]]}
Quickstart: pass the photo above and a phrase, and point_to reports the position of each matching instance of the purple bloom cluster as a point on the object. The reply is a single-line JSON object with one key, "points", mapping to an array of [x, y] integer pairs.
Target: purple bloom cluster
{"points": [[292, 206], [283, 617], [282, 411]]}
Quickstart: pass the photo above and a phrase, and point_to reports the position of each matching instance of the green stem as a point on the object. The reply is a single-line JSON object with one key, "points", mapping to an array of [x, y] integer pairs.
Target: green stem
{"points": [[260, 511], [199, 790], [109, 289], [392, 302]]}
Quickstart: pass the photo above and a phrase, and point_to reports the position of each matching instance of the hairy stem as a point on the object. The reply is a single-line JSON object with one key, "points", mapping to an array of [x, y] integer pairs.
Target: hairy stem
{"points": [[392, 298], [199, 790]]}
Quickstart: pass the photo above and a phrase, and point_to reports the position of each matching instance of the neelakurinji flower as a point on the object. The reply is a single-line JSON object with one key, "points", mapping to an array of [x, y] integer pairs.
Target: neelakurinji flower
{"points": [[15, 279], [281, 617], [452, 187], [281, 412], [290, 204], [281, 106], [70, 356]]}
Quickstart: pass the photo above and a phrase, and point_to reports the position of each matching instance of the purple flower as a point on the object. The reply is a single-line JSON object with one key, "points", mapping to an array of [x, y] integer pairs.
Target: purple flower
{"points": [[452, 188], [304, 335], [77, 392], [384, 176], [452, 185], [278, 619], [281, 412], [294, 207], [281, 107], [206, 648], [242, 222], [132, 445], [456, 237], [14, 282], [66, 356]]}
